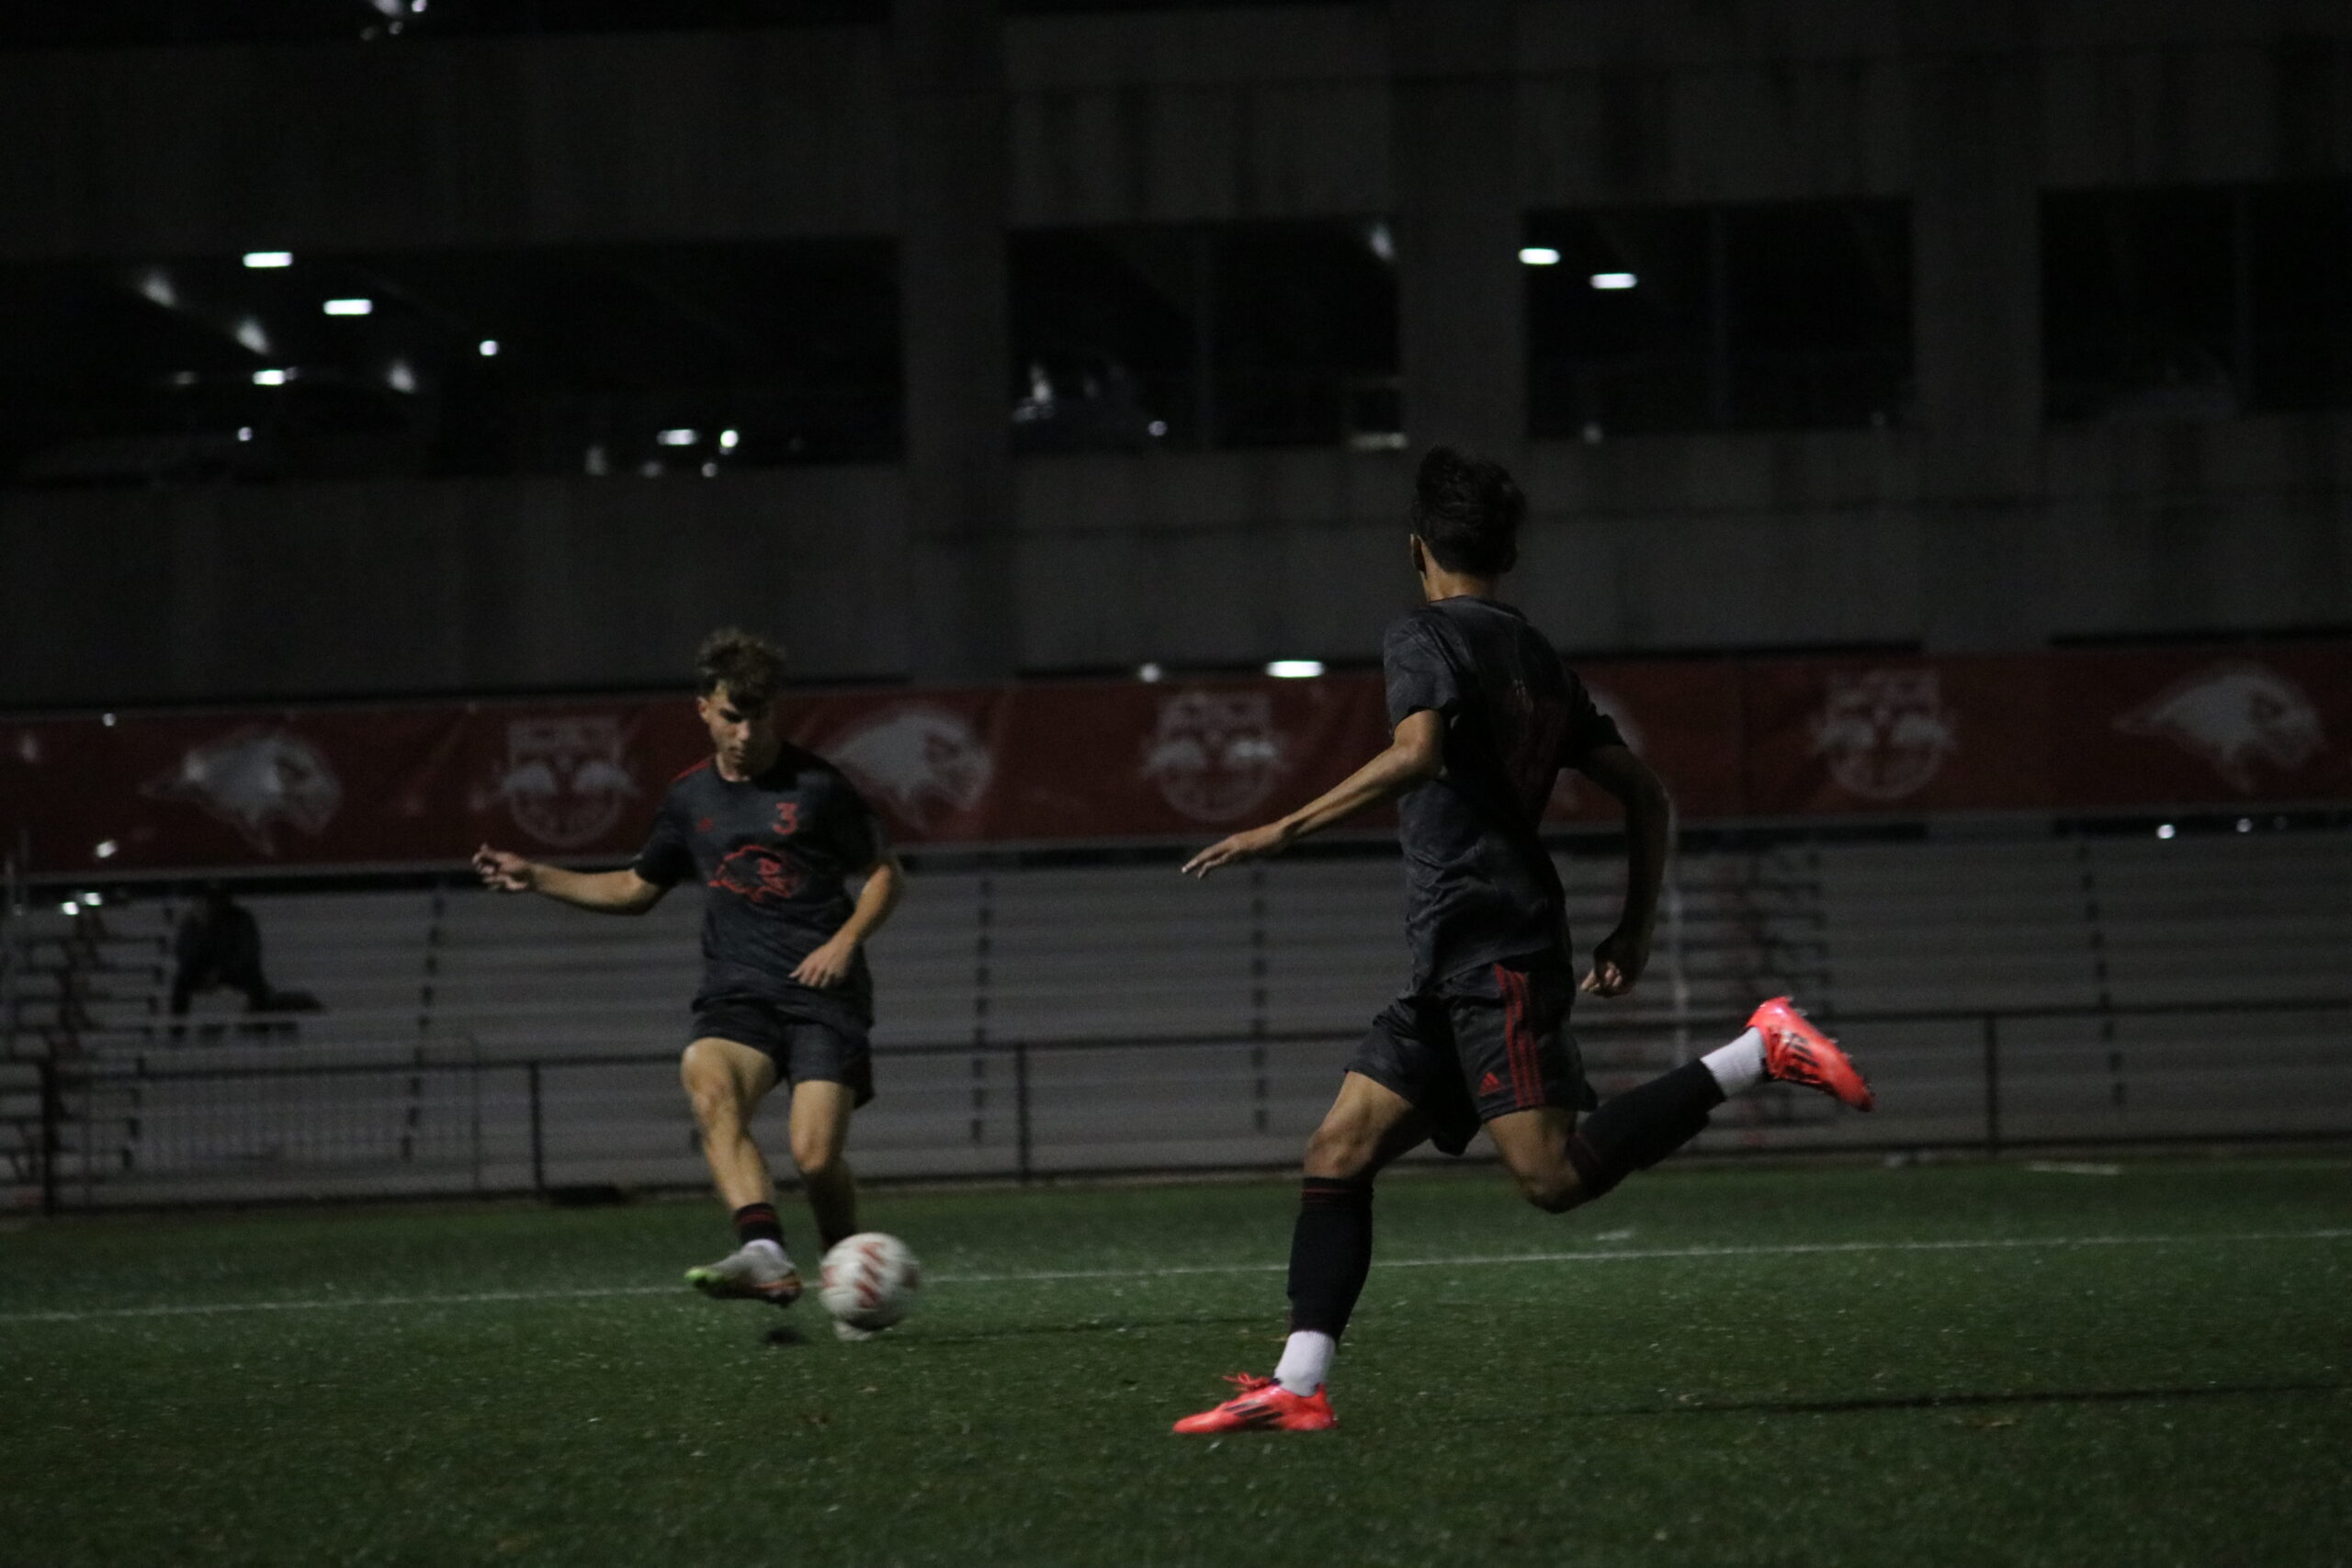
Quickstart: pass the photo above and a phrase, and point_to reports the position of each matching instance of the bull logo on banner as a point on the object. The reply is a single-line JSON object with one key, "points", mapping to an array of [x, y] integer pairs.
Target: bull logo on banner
{"points": [[567, 780], [916, 757], [253, 779], [1214, 755], [2234, 714], [1884, 733]]}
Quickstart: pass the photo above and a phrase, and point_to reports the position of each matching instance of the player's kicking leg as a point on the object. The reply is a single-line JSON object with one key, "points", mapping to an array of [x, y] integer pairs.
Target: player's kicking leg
{"points": [[726, 1080], [1559, 1166], [820, 1113], [1330, 1253]]}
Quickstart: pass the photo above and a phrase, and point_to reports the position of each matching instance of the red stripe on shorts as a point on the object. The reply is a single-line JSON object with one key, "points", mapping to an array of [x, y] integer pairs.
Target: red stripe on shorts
{"points": [[1518, 1047]]}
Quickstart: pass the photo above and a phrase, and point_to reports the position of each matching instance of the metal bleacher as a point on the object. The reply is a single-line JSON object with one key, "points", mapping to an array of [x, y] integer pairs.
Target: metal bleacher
{"points": [[1044, 1019]]}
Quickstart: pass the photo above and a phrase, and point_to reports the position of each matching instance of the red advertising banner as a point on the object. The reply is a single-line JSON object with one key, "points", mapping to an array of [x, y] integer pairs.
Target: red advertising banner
{"points": [[1182, 759]]}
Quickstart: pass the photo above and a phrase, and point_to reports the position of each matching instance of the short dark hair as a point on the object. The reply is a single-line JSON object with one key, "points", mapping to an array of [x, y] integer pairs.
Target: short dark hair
{"points": [[750, 667], [1467, 512]]}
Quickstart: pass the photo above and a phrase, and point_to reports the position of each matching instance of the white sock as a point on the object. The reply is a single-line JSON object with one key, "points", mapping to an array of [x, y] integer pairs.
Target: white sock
{"points": [[1306, 1362], [1738, 1066]]}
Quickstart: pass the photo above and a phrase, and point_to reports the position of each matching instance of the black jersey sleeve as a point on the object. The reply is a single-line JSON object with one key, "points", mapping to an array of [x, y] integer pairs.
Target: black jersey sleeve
{"points": [[1418, 672], [1588, 729], [858, 832], [668, 857]]}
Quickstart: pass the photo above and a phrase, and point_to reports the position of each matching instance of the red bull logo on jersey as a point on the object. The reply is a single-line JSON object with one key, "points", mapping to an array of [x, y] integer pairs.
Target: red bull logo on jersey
{"points": [[1214, 755], [1884, 733], [566, 780], [2234, 714], [254, 778], [919, 759]]}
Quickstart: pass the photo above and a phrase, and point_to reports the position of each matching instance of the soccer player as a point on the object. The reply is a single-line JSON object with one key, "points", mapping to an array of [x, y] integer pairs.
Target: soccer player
{"points": [[1485, 716], [777, 836]]}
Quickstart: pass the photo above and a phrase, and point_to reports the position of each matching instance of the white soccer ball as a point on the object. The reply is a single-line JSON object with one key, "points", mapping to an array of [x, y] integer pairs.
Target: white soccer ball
{"points": [[869, 1281]]}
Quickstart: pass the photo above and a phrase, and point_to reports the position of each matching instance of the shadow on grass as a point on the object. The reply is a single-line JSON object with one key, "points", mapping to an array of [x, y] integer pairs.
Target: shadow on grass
{"points": [[1964, 1401]]}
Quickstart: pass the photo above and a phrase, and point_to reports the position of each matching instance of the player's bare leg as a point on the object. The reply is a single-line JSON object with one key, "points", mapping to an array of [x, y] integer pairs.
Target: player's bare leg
{"points": [[725, 1082], [1330, 1253], [821, 1112]]}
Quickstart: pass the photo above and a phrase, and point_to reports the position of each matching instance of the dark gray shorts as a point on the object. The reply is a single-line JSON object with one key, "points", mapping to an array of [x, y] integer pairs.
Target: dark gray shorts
{"points": [[827, 1050], [1479, 1044]]}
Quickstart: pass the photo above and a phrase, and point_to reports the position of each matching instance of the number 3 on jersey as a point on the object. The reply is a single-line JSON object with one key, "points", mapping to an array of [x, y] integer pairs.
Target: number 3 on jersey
{"points": [[787, 818]]}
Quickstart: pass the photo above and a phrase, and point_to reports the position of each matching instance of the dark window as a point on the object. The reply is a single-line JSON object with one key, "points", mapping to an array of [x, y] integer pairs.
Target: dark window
{"points": [[2197, 301], [1722, 318], [1197, 336], [110, 23], [606, 359]]}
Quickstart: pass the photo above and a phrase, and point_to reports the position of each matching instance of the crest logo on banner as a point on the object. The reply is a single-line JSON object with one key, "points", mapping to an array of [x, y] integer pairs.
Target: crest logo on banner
{"points": [[1216, 754], [2234, 714], [567, 779], [917, 757], [1884, 733], [253, 779], [1568, 789]]}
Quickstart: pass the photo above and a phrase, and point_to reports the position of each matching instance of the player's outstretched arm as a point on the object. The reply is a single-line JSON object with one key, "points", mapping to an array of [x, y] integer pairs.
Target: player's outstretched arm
{"points": [[606, 892], [1621, 956], [886, 881], [1415, 754]]}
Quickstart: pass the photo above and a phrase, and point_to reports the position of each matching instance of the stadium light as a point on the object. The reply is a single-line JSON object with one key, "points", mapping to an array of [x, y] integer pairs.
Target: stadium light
{"points": [[264, 259], [244, 433], [1539, 256], [350, 306], [156, 285], [271, 377], [93, 898], [252, 335], [106, 849], [489, 346], [1151, 671], [679, 438], [107, 719], [400, 377], [728, 439], [1606, 280], [69, 907], [1295, 669], [2163, 830]]}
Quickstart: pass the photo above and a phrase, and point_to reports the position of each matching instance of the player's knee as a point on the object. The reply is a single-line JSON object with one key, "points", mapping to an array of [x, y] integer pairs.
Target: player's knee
{"points": [[1339, 1152], [1554, 1190], [817, 1158]]}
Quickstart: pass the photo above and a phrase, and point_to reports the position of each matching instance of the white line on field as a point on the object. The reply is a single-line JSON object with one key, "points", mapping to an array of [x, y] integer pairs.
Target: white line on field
{"points": [[1622, 1255]]}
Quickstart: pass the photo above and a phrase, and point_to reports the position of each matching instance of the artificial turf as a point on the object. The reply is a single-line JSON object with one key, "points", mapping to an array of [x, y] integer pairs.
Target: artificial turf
{"points": [[1934, 1364]]}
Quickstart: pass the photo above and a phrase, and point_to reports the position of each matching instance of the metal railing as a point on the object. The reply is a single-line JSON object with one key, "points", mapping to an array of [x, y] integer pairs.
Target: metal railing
{"points": [[143, 1131]]}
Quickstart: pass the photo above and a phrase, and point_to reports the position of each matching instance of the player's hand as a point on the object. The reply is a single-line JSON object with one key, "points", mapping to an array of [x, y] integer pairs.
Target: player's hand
{"points": [[1617, 963], [828, 966], [500, 869], [1252, 845]]}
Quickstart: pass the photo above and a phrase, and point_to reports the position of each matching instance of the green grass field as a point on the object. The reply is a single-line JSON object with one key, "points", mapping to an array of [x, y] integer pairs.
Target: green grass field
{"points": [[1948, 1364]]}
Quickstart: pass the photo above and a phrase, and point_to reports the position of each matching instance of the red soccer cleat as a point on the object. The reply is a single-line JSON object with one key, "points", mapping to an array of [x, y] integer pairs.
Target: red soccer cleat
{"points": [[1795, 1052], [1264, 1405]]}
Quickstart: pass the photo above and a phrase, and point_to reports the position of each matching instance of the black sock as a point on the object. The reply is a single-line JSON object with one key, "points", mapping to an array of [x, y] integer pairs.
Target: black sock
{"points": [[1643, 1125], [1330, 1253], [757, 1222], [830, 1239]]}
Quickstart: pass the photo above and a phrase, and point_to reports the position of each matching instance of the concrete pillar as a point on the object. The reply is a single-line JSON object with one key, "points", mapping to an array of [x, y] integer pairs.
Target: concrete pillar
{"points": [[961, 619], [1460, 301], [1985, 557]]}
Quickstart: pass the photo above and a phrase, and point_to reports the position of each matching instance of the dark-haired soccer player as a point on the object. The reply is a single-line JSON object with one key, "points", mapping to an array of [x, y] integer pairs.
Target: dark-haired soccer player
{"points": [[776, 835], [1484, 716]]}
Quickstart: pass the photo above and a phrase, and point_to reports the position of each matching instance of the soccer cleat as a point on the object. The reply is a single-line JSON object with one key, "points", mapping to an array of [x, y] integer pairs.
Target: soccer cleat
{"points": [[1264, 1405], [850, 1334], [752, 1274], [1795, 1052]]}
